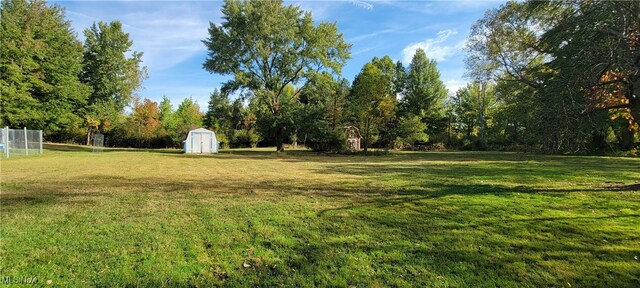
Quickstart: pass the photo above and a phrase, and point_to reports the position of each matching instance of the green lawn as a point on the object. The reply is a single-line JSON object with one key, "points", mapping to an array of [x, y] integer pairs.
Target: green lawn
{"points": [[252, 218]]}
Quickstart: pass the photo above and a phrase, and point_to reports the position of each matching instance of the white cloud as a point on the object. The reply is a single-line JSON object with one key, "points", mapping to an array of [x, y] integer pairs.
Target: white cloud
{"points": [[435, 48], [168, 36], [167, 33], [454, 85]]}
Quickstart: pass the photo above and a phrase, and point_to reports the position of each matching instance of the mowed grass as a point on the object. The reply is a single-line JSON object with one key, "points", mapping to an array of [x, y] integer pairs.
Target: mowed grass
{"points": [[254, 218]]}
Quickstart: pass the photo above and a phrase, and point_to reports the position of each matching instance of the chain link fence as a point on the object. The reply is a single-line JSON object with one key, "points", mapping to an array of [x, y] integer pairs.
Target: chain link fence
{"points": [[98, 142], [20, 142]]}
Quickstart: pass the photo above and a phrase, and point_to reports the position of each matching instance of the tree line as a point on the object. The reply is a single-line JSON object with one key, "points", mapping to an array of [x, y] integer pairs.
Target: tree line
{"points": [[71, 90], [547, 76], [560, 76]]}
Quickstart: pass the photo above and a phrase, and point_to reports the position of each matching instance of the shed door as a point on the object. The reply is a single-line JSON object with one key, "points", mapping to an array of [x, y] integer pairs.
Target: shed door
{"points": [[196, 142], [206, 142]]}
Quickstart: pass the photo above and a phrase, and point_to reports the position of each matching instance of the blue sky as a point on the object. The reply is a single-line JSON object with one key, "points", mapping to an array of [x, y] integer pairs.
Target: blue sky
{"points": [[170, 33]]}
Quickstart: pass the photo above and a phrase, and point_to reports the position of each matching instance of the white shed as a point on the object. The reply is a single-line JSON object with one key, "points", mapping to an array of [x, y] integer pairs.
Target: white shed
{"points": [[201, 141]]}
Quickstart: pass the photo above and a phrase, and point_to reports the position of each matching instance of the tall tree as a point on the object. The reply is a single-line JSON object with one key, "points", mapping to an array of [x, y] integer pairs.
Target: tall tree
{"points": [[400, 78], [388, 70], [219, 117], [571, 63], [112, 75], [505, 46], [425, 92], [473, 104], [369, 101], [219, 112], [40, 59], [320, 120], [267, 46], [168, 123], [597, 46]]}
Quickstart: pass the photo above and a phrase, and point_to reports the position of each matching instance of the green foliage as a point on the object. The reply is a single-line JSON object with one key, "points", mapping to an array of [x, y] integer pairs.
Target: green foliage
{"points": [[219, 114], [366, 101], [106, 69], [112, 76], [245, 138], [474, 107], [40, 59], [168, 124], [320, 121], [560, 68], [187, 117], [268, 46], [425, 92], [596, 68], [323, 138], [411, 130]]}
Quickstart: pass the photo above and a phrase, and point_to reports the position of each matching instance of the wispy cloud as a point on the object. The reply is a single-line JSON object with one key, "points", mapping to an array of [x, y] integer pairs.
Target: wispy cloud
{"points": [[440, 7], [371, 35], [167, 34], [362, 4], [435, 48], [364, 50]]}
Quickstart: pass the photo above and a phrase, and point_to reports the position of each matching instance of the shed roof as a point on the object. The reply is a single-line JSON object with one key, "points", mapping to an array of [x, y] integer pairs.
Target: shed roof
{"points": [[201, 130]]}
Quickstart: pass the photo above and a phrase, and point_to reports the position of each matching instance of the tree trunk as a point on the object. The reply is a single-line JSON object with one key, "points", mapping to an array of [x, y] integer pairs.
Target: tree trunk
{"points": [[598, 139], [634, 107], [481, 119], [626, 138], [366, 138], [448, 132], [335, 111], [279, 139], [89, 138]]}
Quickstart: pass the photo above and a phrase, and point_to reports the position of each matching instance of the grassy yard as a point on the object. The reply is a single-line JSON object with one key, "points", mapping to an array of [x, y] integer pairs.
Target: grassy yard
{"points": [[252, 218]]}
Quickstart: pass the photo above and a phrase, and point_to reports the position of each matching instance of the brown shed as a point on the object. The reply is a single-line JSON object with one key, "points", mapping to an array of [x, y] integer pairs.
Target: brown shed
{"points": [[353, 138]]}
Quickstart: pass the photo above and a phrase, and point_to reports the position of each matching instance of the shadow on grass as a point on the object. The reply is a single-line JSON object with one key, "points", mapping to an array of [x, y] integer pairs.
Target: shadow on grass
{"points": [[398, 232], [492, 235]]}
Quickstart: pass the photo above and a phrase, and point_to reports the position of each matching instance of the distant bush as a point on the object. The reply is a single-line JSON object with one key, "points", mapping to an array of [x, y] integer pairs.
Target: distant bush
{"points": [[245, 138], [327, 140]]}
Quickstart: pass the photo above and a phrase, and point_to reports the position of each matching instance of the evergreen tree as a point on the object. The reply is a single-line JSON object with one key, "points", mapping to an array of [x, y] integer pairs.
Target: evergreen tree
{"points": [[112, 75], [425, 92], [40, 59]]}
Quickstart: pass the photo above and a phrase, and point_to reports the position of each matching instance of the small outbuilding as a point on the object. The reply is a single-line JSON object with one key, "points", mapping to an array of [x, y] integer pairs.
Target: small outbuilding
{"points": [[201, 141], [353, 138]]}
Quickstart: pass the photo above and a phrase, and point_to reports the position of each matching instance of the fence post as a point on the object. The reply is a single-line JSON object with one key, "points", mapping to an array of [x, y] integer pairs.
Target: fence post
{"points": [[40, 132], [6, 146], [26, 142]]}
